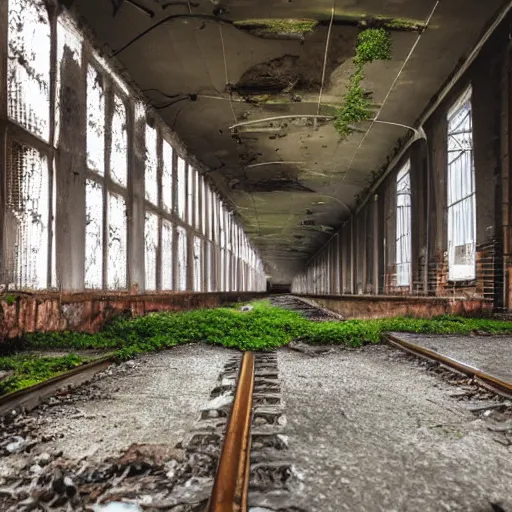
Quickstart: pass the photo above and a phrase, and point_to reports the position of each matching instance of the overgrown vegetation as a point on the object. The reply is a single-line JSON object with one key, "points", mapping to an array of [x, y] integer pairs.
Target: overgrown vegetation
{"points": [[28, 369], [372, 44], [265, 327], [262, 328]]}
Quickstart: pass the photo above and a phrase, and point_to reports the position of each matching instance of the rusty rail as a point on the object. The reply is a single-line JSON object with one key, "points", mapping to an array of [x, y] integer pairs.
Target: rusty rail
{"points": [[498, 385], [229, 493], [31, 397]]}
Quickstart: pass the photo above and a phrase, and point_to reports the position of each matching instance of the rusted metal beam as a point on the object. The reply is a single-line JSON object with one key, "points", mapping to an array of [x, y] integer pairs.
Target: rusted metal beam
{"points": [[498, 385], [229, 492]]}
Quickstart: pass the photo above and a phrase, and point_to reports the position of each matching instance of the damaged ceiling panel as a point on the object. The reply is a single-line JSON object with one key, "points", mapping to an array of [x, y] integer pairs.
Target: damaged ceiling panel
{"points": [[256, 90]]}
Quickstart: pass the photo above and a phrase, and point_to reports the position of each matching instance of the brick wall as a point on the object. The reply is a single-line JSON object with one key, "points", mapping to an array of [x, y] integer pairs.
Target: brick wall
{"points": [[87, 312]]}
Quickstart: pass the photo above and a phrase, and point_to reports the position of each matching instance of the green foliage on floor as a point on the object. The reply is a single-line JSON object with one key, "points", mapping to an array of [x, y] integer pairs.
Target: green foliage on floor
{"points": [[265, 327], [29, 369]]}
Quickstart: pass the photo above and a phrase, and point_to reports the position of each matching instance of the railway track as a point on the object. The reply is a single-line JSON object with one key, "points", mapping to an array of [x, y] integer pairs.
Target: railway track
{"points": [[243, 427]]}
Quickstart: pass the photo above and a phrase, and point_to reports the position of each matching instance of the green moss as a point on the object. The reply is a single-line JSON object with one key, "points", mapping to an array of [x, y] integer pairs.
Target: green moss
{"points": [[372, 44], [279, 26], [28, 370]]}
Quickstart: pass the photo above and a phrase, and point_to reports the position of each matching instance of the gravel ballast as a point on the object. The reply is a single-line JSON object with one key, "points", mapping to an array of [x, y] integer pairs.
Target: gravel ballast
{"points": [[370, 431], [154, 399]]}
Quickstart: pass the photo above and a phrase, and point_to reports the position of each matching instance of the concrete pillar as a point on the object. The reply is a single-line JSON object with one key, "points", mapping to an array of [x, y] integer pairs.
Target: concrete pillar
{"points": [[71, 165], [136, 211]]}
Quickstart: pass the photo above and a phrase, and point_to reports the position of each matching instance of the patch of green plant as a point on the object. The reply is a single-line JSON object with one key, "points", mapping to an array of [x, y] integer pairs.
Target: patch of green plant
{"points": [[28, 369], [279, 26], [372, 44], [265, 327], [9, 299]]}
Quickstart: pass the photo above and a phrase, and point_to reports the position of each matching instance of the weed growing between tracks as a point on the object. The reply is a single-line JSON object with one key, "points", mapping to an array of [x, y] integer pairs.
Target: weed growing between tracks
{"points": [[265, 327]]}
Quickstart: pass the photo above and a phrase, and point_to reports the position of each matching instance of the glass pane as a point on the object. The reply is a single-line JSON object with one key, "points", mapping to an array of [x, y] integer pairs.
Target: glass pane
{"points": [[151, 249], [27, 212], [119, 154], [182, 258], [167, 184], [181, 188], [93, 235], [190, 196], [150, 180], [167, 262], [117, 253], [198, 265], [28, 66], [95, 121]]}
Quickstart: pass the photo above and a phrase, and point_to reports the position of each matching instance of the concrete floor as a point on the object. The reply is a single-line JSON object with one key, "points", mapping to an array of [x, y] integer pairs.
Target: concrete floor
{"points": [[371, 432]]}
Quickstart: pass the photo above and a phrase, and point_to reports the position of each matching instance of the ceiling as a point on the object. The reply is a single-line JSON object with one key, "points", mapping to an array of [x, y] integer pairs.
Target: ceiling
{"points": [[279, 173]]}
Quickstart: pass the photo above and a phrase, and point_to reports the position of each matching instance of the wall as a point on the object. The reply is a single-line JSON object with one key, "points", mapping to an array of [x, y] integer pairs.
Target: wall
{"points": [[364, 307], [88, 312], [371, 232]]}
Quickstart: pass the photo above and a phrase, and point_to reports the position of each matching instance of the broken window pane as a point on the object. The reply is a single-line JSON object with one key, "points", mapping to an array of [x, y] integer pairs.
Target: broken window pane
{"points": [[28, 66], [181, 188], [198, 265], [167, 184], [461, 191], [151, 249], [27, 213], [182, 258], [69, 57], [403, 227], [119, 152], [150, 179], [93, 234], [95, 121], [167, 262], [117, 254]]}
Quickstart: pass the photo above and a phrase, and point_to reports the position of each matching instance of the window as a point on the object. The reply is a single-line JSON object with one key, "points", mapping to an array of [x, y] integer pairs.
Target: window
{"points": [[198, 264], [190, 195], [167, 185], [461, 192], [93, 234], [119, 151], [182, 191], [27, 217], [182, 258], [167, 252], [95, 121], [28, 66], [151, 249], [117, 246], [151, 167], [403, 226]]}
